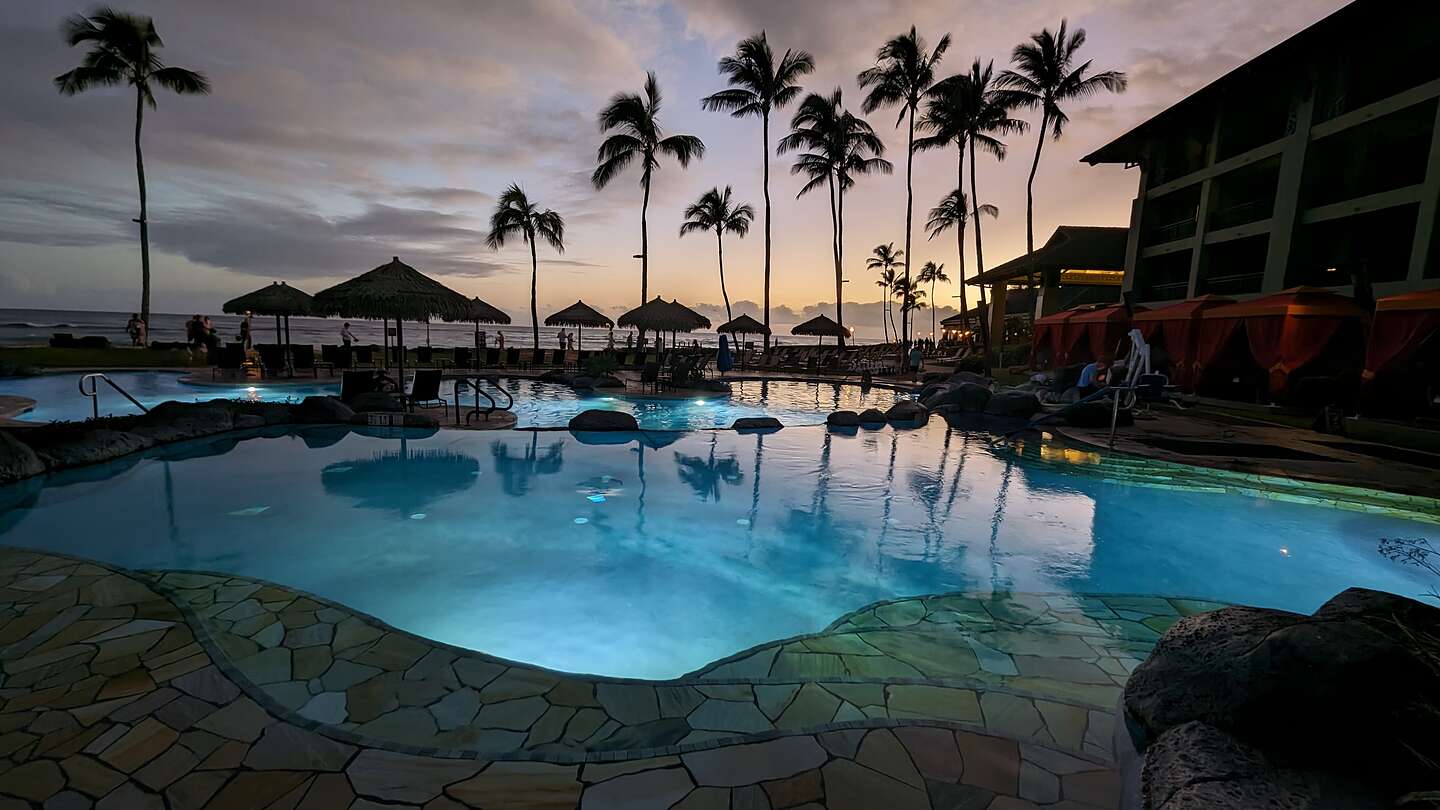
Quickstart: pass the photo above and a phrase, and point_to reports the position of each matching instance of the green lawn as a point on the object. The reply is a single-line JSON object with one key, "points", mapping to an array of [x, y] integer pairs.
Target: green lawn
{"points": [[42, 357]]}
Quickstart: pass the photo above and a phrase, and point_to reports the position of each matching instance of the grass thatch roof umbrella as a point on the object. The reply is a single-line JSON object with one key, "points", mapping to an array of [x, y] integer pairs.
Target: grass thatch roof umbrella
{"points": [[395, 290], [660, 315], [743, 325], [278, 299], [579, 315], [480, 312], [821, 326]]}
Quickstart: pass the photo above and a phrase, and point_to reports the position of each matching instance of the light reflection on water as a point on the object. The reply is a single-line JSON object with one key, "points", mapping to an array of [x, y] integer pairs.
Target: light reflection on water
{"points": [[655, 556]]}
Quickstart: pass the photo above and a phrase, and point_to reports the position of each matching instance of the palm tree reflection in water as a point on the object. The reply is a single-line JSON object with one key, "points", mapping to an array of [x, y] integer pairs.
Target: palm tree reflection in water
{"points": [[704, 475], [516, 472]]}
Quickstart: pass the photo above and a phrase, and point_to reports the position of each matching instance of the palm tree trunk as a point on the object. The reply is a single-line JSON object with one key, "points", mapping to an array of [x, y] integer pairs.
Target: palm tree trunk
{"points": [[644, 245], [835, 249], [144, 220], [960, 231], [909, 209], [884, 311], [534, 276], [839, 253], [720, 253], [979, 253], [765, 136], [932, 309], [1030, 187]]}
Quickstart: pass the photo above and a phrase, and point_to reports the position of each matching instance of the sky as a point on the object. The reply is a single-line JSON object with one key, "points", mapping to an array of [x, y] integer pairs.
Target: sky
{"points": [[341, 134]]}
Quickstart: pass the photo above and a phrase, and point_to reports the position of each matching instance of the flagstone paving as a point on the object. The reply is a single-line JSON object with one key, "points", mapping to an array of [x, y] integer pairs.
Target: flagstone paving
{"points": [[165, 689]]}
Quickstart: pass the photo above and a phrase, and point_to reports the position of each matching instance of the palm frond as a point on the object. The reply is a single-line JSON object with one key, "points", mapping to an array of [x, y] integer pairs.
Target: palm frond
{"points": [[181, 81], [684, 148]]}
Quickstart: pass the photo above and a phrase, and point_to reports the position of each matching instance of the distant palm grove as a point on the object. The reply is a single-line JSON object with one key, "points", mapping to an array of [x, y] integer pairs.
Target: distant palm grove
{"points": [[832, 147]]}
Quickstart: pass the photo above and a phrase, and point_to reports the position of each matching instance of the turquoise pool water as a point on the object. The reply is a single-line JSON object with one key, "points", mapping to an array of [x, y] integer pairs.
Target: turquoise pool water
{"points": [[536, 404], [654, 557]]}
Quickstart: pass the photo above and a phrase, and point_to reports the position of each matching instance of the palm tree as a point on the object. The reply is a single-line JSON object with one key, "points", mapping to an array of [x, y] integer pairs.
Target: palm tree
{"points": [[841, 146], [515, 216], [1045, 76], [758, 84], [715, 212], [902, 73], [929, 274], [953, 212], [123, 52], [636, 133], [886, 258], [911, 298], [886, 282]]}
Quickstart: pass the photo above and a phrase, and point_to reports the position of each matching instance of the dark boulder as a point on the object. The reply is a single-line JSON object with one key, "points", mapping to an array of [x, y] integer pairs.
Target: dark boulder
{"points": [[967, 397], [376, 402], [1349, 690], [596, 419], [970, 377], [907, 411], [582, 382], [930, 389], [1021, 404], [608, 381], [757, 423], [872, 416], [17, 460], [843, 419], [92, 447], [323, 410], [555, 375], [244, 421], [176, 421], [716, 386]]}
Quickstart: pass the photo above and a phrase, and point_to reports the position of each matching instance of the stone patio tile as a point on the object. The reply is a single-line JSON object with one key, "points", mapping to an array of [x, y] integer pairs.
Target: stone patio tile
{"points": [[850, 786], [139, 745], [520, 786], [456, 709], [840, 643], [476, 673], [705, 798], [812, 706], [992, 763], [183, 712], [326, 707], [1054, 761], [201, 743], [1061, 669], [198, 660], [935, 702], [311, 636], [1100, 732], [1099, 787], [755, 665], [393, 652], [934, 655], [37, 780], [413, 725], [344, 674], [430, 664], [584, 724], [397, 777], [992, 660], [728, 715], [631, 704], [271, 635], [727, 691], [874, 666], [600, 771], [90, 776], [860, 694], [240, 610], [255, 789], [1040, 644], [1038, 785], [796, 790], [208, 685], [809, 665], [372, 698], [328, 791], [310, 662], [901, 614], [517, 683], [1066, 723], [772, 699], [933, 751], [229, 755], [268, 666], [1011, 715], [144, 706], [675, 701], [647, 790], [287, 747], [515, 715], [418, 693], [550, 726], [194, 791], [131, 628], [655, 734], [352, 632], [745, 764], [1092, 694], [241, 720], [174, 763]]}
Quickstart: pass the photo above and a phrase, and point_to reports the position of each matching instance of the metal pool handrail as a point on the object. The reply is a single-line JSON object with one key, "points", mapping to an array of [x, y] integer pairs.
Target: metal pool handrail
{"points": [[494, 380], [94, 392]]}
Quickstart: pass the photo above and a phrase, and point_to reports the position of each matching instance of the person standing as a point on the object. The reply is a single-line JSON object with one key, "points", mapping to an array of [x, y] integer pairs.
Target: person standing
{"points": [[245, 332], [132, 328], [610, 340], [347, 337], [500, 340]]}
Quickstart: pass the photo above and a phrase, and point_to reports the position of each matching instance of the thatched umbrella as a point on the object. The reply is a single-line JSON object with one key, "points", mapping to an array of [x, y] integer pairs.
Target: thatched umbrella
{"points": [[660, 315], [278, 299], [395, 290], [480, 312], [743, 326], [579, 315], [821, 326]]}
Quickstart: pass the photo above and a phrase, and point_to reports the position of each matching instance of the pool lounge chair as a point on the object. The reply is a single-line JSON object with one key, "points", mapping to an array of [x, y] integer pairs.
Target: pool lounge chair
{"points": [[302, 358], [364, 356], [425, 390], [337, 357], [355, 383], [229, 359], [272, 358], [464, 357]]}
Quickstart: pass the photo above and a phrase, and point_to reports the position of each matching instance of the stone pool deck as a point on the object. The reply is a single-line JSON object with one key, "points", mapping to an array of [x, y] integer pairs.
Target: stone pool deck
{"points": [[168, 689]]}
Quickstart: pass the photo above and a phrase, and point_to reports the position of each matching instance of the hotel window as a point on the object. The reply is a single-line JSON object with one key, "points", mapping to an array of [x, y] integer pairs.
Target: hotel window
{"points": [[1235, 267], [1171, 216], [1163, 278], [1378, 243], [1244, 195], [1387, 153]]}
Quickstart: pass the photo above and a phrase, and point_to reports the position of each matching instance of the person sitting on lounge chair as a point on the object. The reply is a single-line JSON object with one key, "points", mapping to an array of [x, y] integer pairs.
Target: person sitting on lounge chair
{"points": [[1094, 376]]}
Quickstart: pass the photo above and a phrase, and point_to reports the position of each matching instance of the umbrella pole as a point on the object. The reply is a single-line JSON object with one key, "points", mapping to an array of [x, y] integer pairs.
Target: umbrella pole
{"points": [[289, 357], [400, 354], [385, 342]]}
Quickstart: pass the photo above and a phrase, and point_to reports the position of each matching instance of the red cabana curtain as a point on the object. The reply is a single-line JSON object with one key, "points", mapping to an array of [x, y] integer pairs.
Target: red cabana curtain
{"points": [[1211, 338], [1402, 325]]}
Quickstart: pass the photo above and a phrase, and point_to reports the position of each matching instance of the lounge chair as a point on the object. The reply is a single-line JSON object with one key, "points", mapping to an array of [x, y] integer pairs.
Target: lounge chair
{"points": [[512, 357], [229, 359], [302, 358], [464, 357], [272, 358], [491, 359], [337, 357], [355, 383], [425, 390], [364, 356]]}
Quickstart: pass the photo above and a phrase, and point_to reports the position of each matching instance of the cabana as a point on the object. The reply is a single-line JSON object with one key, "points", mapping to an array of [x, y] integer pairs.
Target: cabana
{"points": [[278, 299], [1174, 329], [1104, 330], [395, 290], [579, 315], [660, 316], [1276, 334], [1059, 335], [821, 326], [1404, 330]]}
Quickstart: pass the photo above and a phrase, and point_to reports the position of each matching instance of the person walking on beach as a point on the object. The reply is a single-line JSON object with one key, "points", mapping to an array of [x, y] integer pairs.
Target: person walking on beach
{"points": [[245, 332], [132, 328], [346, 336], [499, 340], [610, 340]]}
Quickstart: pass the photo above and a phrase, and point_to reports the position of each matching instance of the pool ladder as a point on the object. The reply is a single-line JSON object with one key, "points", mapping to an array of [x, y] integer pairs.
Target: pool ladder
{"points": [[494, 380], [94, 392]]}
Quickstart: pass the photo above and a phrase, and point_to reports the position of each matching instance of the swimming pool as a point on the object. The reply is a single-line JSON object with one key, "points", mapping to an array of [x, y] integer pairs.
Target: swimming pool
{"points": [[655, 557], [537, 404]]}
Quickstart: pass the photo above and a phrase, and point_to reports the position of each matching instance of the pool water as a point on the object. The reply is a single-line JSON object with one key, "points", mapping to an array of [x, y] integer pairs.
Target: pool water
{"points": [[654, 557], [537, 404]]}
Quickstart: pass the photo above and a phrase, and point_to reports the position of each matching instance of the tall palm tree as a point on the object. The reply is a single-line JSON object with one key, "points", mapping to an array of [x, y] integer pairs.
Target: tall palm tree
{"points": [[903, 71], [759, 84], [885, 258], [1046, 76], [714, 211], [911, 298], [841, 146], [515, 216], [989, 116], [635, 132], [123, 52], [953, 212], [886, 283], [931, 273]]}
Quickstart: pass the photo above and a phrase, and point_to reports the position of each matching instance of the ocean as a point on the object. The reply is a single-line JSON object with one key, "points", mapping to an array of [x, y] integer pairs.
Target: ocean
{"points": [[28, 327]]}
